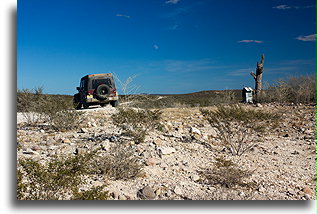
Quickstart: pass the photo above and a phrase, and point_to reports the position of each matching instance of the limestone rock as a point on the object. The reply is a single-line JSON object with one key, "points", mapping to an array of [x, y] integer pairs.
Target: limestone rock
{"points": [[147, 193]]}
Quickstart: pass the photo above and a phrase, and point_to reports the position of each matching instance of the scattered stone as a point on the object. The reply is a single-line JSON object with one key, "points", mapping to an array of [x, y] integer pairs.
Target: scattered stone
{"points": [[29, 151], [113, 139], [114, 195], [36, 148], [195, 177], [166, 150], [259, 105], [83, 130], [147, 193], [195, 130], [122, 197], [151, 162], [262, 189], [42, 131], [66, 141], [79, 151], [158, 142], [308, 191], [178, 190]]}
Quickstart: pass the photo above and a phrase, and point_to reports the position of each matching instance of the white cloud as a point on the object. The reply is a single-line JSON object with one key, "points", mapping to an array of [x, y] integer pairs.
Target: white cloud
{"points": [[285, 7], [155, 46], [172, 1], [250, 41], [308, 38], [282, 7], [123, 15]]}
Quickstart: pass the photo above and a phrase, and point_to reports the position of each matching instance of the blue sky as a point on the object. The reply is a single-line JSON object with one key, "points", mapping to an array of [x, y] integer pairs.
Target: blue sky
{"points": [[172, 46]]}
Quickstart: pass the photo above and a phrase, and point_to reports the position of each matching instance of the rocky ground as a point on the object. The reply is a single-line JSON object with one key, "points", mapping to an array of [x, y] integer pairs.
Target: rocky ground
{"points": [[283, 164]]}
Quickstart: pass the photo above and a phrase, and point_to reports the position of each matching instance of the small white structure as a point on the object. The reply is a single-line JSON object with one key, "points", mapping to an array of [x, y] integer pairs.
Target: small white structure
{"points": [[247, 95]]}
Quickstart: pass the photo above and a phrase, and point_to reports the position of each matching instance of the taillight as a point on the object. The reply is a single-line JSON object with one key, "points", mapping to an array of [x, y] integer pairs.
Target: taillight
{"points": [[91, 91], [113, 91]]}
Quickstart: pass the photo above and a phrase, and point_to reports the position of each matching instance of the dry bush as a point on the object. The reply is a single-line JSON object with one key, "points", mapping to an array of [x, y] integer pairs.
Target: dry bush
{"points": [[137, 122], [238, 128], [120, 163], [60, 117], [54, 109], [59, 179], [226, 173], [30, 103], [295, 89]]}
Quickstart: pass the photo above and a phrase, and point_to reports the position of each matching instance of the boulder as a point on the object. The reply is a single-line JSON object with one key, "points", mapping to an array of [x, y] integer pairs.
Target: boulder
{"points": [[147, 193]]}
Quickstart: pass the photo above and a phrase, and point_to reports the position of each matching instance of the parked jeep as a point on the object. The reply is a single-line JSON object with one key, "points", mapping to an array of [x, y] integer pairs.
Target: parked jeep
{"points": [[96, 89]]}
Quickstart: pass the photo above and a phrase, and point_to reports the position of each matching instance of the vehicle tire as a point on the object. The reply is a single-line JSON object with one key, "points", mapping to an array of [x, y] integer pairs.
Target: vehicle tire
{"points": [[102, 92], [86, 105], [77, 105], [114, 103], [102, 104]]}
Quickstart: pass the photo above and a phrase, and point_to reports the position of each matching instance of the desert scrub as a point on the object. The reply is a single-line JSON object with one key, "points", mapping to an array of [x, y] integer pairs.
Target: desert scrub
{"points": [[60, 117], [59, 179], [120, 163], [226, 173], [52, 109], [95, 193], [294, 89], [239, 129], [30, 103], [137, 122]]}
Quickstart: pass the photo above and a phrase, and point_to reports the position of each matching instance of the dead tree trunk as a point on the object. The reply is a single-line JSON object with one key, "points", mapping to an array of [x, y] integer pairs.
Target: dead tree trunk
{"points": [[258, 77]]}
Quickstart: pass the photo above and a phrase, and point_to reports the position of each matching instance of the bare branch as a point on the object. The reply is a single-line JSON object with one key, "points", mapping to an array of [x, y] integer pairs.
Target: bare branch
{"points": [[253, 74]]}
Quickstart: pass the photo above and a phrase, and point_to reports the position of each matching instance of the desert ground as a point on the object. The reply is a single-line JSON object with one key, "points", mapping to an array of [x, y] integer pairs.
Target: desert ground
{"points": [[281, 165]]}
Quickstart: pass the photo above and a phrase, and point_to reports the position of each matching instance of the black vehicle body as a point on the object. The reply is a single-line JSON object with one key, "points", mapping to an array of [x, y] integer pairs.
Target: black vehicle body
{"points": [[96, 89]]}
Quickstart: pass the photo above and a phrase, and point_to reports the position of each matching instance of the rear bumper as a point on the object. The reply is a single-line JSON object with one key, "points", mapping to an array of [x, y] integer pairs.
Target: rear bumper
{"points": [[94, 100]]}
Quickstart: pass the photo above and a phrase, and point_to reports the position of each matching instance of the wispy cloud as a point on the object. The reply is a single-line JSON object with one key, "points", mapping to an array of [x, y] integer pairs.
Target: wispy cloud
{"points": [[172, 1], [308, 38], [250, 41], [123, 15], [241, 72], [156, 47], [282, 7], [285, 7]]}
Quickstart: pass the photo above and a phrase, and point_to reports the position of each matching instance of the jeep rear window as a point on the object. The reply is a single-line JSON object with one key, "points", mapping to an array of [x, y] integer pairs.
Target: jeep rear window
{"points": [[97, 82]]}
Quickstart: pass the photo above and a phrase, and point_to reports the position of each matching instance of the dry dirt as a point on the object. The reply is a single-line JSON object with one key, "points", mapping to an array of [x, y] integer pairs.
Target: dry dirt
{"points": [[283, 164]]}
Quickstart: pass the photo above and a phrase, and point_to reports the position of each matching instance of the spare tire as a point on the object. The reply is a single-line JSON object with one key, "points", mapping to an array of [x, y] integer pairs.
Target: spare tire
{"points": [[102, 92]]}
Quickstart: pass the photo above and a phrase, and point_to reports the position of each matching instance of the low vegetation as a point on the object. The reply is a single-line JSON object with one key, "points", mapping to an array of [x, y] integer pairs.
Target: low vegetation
{"points": [[120, 163], [62, 177], [226, 173], [59, 179], [55, 110], [137, 122], [295, 89], [238, 128]]}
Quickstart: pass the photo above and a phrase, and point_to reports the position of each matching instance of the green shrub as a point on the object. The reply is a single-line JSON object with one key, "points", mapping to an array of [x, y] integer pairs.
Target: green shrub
{"points": [[238, 128], [120, 163], [95, 193], [137, 122], [226, 173], [58, 179]]}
